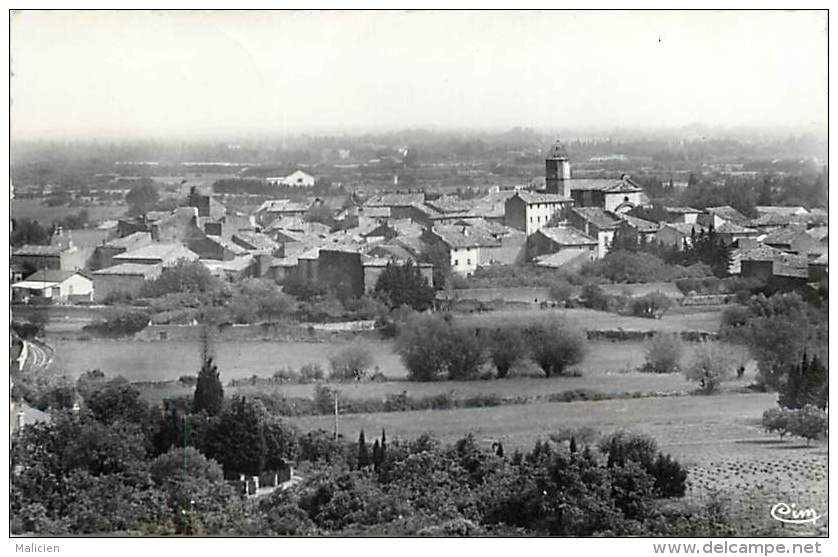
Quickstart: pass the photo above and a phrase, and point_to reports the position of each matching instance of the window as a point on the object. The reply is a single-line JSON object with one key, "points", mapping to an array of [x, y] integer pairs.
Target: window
{"points": [[456, 262], [468, 261]]}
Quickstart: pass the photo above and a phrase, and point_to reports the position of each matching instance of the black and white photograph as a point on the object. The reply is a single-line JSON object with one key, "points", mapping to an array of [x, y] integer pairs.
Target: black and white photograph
{"points": [[360, 273]]}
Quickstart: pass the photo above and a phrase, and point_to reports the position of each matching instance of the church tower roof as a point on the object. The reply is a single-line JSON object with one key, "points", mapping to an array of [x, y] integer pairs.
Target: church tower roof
{"points": [[558, 151]]}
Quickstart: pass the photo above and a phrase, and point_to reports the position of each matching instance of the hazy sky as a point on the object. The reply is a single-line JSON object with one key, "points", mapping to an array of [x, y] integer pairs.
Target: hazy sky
{"points": [[185, 73]]}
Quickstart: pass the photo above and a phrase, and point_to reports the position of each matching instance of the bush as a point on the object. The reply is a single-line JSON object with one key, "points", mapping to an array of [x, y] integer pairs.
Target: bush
{"points": [[670, 476], [120, 322], [624, 446], [663, 353], [712, 364], [555, 345], [650, 306], [351, 363], [507, 347]]}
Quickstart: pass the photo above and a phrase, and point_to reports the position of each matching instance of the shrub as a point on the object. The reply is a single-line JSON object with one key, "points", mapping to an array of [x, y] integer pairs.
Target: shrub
{"points": [[594, 298], [663, 353], [712, 364], [670, 476], [650, 306], [120, 322], [623, 446], [352, 362], [555, 345], [507, 347]]}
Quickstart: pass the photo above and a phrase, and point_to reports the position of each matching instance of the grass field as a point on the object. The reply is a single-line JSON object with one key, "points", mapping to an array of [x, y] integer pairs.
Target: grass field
{"points": [[698, 430], [607, 368]]}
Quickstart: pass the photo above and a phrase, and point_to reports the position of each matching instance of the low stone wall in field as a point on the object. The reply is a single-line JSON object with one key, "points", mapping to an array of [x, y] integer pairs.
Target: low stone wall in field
{"points": [[623, 335], [707, 300], [321, 332]]}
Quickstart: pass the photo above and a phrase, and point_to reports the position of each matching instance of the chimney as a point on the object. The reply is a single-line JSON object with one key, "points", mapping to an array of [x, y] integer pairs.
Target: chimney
{"points": [[20, 420], [465, 231]]}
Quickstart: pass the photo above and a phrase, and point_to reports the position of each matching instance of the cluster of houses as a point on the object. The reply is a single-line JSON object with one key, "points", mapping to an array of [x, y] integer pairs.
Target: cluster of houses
{"points": [[563, 225]]}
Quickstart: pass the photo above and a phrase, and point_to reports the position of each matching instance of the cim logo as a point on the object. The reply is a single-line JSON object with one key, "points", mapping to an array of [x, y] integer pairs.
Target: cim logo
{"points": [[790, 514]]}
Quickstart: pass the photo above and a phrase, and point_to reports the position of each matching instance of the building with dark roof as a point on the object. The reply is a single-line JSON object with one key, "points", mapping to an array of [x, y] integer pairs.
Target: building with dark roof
{"points": [[596, 223], [552, 239]]}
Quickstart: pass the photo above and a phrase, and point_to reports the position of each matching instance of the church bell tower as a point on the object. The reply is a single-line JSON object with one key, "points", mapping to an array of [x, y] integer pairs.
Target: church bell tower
{"points": [[557, 168]]}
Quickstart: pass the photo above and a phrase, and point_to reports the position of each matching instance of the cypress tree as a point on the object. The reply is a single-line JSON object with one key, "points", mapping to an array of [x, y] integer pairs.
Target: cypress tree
{"points": [[383, 455], [499, 450], [363, 453], [376, 455], [573, 444], [209, 393]]}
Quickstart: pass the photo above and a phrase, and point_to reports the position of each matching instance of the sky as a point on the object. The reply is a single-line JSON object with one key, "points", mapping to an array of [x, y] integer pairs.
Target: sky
{"points": [[125, 74]]}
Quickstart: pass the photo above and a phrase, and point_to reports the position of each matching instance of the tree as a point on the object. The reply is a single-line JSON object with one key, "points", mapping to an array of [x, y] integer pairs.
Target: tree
{"points": [[421, 345], [809, 422], [363, 452], [117, 400], [710, 366], [555, 345], [465, 353], [351, 363], [507, 347], [209, 393], [404, 285], [142, 198], [807, 383], [237, 439], [183, 276], [663, 353], [651, 306], [776, 420], [28, 232]]}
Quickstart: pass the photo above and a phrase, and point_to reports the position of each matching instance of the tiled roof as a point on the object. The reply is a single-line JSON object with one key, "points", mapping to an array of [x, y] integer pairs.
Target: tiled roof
{"points": [[785, 235], [607, 185], [566, 236], [130, 241], [819, 233], [822, 260], [641, 225], [728, 213], [463, 237], [561, 258], [780, 210], [597, 216], [38, 250], [395, 199], [258, 240], [51, 275], [531, 197], [236, 264], [131, 269], [681, 210], [163, 252], [284, 206], [729, 227]]}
